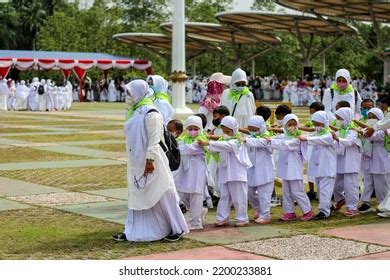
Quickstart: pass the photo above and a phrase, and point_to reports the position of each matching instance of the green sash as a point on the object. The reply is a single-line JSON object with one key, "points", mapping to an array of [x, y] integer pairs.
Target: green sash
{"points": [[235, 94], [163, 96], [348, 89], [142, 102]]}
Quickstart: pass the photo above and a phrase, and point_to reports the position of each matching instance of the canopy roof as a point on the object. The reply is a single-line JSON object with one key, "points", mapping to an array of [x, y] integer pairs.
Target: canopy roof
{"points": [[223, 33], [24, 60], [367, 10], [274, 22], [155, 41]]}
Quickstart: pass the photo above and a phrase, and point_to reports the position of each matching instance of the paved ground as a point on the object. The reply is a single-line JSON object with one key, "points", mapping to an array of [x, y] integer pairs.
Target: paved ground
{"points": [[23, 185]]}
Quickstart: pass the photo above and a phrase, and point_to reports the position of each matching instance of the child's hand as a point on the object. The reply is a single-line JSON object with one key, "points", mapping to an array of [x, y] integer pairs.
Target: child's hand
{"points": [[267, 138], [203, 143], [334, 135], [302, 138]]}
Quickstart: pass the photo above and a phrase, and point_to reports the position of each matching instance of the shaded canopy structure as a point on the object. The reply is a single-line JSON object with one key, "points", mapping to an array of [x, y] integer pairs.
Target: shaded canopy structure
{"points": [[217, 34], [362, 10], [67, 62], [375, 11], [299, 25]]}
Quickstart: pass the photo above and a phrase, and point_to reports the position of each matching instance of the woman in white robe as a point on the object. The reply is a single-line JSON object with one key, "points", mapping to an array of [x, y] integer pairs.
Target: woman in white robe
{"points": [[153, 205], [160, 97], [11, 95], [22, 92], [32, 99], [111, 92], [4, 91], [238, 99]]}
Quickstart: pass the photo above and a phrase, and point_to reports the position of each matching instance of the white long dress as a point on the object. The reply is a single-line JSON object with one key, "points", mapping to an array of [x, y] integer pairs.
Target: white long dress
{"points": [[3, 95], [111, 92], [153, 206]]}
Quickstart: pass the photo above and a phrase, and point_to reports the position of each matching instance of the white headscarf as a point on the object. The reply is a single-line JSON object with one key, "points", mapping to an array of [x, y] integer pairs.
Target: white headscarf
{"points": [[346, 114], [220, 78], [159, 83], [345, 74], [377, 112], [238, 75], [321, 117], [289, 117], [230, 122], [257, 121], [43, 81], [138, 89], [195, 121]]}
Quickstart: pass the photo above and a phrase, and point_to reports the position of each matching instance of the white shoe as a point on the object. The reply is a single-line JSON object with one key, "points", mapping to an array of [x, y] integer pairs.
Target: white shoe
{"points": [[384, 214], [195, 228], [205, 210]]}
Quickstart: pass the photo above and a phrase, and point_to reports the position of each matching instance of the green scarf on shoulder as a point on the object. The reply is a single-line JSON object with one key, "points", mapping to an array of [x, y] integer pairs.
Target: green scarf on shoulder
{"points": [[349, 88], [344, 130], [142, 102], [186, 139], [235, 94], [162, 96], [293, 135], [322, 132]]}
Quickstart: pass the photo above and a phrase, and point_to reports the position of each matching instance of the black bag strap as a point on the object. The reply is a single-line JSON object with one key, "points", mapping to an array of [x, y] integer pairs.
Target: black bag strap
{"points": [[235, 105], [162, 144]]}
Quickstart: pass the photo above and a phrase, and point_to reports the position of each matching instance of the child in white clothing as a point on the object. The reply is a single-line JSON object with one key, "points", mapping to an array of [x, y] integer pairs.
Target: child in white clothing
{"points": [[232, 173], [190, 179], [322, 163], [261, 174], [290, 169]]}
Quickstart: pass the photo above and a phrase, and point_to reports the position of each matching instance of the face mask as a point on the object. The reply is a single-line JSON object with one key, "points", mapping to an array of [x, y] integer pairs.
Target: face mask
{"points": [[175, 134], [292, 129], [239, 88], [130, 100], [153, 89], [254, 133], [227, 137], [216, 122], [371, 122], [318, 128], [339, 123], [193, 133], [364, 113], [279, 122], [342, 85]]}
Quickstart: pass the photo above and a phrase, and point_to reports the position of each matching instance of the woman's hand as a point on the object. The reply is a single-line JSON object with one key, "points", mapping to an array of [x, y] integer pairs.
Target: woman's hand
{"points": [[302, 138], [149, 167]]}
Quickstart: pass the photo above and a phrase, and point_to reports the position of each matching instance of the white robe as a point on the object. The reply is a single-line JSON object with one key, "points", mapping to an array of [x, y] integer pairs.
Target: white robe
{"points": [[111, 93], [4, 92], [322, 162], [330, 105], [165, 109], [245, 108], [191, 175]]}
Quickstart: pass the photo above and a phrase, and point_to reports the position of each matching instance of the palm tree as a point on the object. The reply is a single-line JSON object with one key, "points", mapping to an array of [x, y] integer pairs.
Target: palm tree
{"points": [[33, 16], [7, 26]]}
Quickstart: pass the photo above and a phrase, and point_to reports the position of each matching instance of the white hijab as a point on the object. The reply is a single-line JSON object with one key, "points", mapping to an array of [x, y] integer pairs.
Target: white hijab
{"points": [[135, 129], [238, 75], [303, 144], [346, 114], [345, 74], [159, 83], [230, 122], [257, 121], [194, 121], [377, 112], [321, 117]]}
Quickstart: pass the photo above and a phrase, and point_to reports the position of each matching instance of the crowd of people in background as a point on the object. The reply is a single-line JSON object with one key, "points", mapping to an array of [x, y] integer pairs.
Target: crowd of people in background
{"points": [[35, 95]]}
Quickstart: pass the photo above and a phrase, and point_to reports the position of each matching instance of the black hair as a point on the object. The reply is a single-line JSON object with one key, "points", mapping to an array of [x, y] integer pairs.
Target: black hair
{"points": [[385, 99], [203, 118], [368, 100], [282, 110], [177, 124], [263, 111], [317, 106], [222, 110], [343, 104]]}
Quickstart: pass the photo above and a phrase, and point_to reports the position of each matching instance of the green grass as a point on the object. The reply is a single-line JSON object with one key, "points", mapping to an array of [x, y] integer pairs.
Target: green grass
{"points": [[23, 154], [44, 233], [19, 130], [67, 137], [108, 147], [73, 179]]}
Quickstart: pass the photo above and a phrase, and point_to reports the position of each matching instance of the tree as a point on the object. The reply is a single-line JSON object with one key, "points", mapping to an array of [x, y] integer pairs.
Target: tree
{"points": [[264, 5], [8, 25], [204, 11]]}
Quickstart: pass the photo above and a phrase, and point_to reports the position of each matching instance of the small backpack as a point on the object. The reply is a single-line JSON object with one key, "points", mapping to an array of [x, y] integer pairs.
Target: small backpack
{"points": [[170, 148], [41, 89]]}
